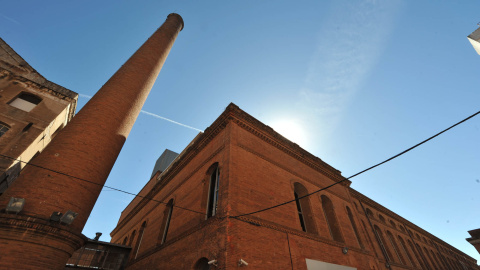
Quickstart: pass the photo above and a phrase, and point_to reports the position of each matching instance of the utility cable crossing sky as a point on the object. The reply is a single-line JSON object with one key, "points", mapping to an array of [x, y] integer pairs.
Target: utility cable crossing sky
{"points": [[274, 206]]}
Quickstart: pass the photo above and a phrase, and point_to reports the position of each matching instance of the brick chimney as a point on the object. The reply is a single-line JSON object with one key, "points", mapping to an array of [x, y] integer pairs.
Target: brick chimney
{"points": [[86, 149]]}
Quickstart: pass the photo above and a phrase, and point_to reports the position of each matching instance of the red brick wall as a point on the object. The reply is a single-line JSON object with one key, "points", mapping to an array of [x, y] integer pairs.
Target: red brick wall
{"points": [[258, 170]]}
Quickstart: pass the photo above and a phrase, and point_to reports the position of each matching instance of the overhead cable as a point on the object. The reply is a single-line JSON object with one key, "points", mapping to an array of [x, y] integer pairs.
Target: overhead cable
{"points": [[374, 166]]}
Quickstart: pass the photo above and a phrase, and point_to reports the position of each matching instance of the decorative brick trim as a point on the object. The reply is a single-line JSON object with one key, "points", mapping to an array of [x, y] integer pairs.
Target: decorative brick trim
{"points": [[42, 228], [270, 225], [181, 236], [49, 88]]}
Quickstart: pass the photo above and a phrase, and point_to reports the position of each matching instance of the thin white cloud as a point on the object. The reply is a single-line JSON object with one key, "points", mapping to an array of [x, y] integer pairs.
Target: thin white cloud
{"points": [[10, 19], [154, 115], [350, 43]]}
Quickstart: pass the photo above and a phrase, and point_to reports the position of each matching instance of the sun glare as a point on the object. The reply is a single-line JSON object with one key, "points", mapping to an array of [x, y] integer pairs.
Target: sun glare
{"points": [[292, 130]]}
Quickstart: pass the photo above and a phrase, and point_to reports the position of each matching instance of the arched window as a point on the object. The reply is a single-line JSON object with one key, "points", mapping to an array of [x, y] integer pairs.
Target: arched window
{"points": [[395, 247], [202, 264], [423, 256], [382, 219], [354, 226], [25, 102], [405, 249], [383, 243], [369, 213], [332, 223], [167, 216], [3, 128], [419, 259], [430, 258], [356, 206], [442, 258], [393, 224], [437, 261], [368, 237], [212, 202], [132, 237], [125, 240], [139, 238], [303, 208], [402, 228]]}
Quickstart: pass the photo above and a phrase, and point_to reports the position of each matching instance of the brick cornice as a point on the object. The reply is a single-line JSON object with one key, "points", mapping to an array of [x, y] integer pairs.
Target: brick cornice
{"points": [[38, 228], [209, 222], [270, 225], [267, 134], [45, 87]]}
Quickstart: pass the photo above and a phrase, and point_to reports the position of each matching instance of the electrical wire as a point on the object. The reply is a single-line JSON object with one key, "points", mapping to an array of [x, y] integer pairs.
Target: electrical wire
{"points": [[374, 166], [91, 182], [264, 209]]}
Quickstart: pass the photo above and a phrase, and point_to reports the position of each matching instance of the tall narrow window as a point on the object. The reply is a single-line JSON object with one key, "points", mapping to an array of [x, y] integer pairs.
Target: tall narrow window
{"points": [[139, 238], [423, 256], [125, 240], [430, 258], [167, 216], [304, 209], [419, 259], [354, 226], [300, 213], [212, 204], [3, 129], [368, 237], [405, 249], [132, 237], [25, 102], [437, 261], [383, 243], [395, 247], [332, 223]]}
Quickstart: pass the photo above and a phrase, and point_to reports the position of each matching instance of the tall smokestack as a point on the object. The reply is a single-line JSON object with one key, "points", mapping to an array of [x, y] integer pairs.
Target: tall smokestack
{"points": [[86, 149]]}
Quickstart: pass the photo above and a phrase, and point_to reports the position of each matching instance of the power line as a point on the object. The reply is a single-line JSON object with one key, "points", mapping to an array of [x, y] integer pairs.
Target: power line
{"points": [[268, 208], [374, 166], [91, 182]]}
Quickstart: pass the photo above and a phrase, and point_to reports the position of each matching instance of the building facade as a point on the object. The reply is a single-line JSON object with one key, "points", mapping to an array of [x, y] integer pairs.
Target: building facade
{"points": [[32, 111], [192, 215]]}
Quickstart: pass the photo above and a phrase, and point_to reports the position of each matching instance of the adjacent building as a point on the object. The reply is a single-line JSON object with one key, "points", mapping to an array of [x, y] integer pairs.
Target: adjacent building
{"points": [[474, 39], [32, 111], [200, 212]]}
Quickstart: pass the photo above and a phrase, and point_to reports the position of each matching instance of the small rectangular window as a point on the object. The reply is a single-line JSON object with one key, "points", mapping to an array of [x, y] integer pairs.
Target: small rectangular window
{"points": [[25, 102]]}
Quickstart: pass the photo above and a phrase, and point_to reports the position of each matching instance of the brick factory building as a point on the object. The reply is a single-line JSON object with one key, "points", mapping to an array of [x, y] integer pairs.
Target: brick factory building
{"points": [[240, 165], [32, 111]]}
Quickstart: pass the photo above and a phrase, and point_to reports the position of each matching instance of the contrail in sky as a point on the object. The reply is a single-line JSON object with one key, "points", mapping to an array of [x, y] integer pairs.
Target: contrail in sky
{"points": [[10, 19], [169, 120], [154, 115]]}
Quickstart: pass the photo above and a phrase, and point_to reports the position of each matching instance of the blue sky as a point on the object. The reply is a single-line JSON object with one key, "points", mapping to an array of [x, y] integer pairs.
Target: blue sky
{"points": [[358, 81]]}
